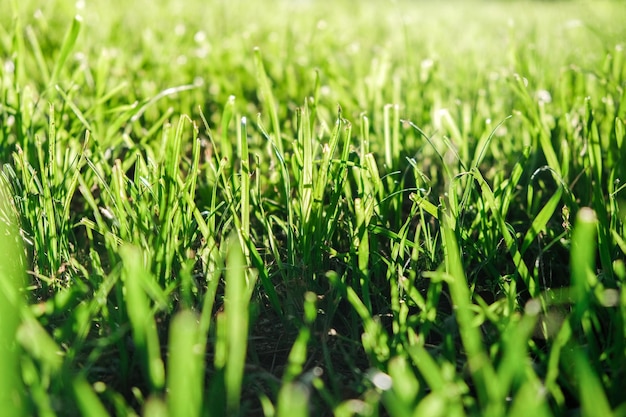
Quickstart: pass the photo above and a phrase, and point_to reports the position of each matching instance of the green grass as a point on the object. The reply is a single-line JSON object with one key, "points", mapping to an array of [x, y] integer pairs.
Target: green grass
{"points": [[293, 208]]}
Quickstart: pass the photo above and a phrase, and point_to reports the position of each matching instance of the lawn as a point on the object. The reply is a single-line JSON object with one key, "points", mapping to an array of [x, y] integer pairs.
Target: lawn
{"points": [[312, 208]]}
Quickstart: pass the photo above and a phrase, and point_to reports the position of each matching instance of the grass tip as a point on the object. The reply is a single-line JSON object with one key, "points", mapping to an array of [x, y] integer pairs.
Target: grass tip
{"points": [[533, 307], [587, 215], [380, 379]]}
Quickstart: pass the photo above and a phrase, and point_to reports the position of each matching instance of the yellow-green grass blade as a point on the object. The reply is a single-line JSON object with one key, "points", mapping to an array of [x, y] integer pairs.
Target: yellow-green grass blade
{"points": [[156, 407], [541, 220], [480, 367], [306, 183], [66, 48], [11, 303], [391, 135], [226, 147], [361, 247], [535, 121], [240, 282], [267, 97], [293, 400], [405, 384], [34, 339], [582, 262], [509, 239], [530, 400], [87, 400], [136, 277], [42, 67], [374, 337], [591, 390], [185, 367], [244, 171], [298, 353], [514, 365]]}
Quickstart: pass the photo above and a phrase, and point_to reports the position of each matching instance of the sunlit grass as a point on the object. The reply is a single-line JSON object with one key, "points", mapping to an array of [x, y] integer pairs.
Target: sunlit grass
{"points": [[292, 208]]}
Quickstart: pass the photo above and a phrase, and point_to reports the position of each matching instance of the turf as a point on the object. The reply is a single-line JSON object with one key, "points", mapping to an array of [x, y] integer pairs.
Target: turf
{"points": [[293, 208]]}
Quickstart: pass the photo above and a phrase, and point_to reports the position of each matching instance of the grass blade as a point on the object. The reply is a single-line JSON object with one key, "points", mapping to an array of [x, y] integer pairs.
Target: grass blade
{"points": [[136, 277], [479, 364], [11, 303], [66, 47], [509, 240], [541, 220], [582, 261], [293, 400], [298, 353], [239, 285], [268, 98], [592, 394], [87, 400], [244, 188], [185, 368]]}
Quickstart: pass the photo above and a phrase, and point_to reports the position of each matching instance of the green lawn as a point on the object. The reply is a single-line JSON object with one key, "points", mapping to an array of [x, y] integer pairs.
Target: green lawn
{"points": [[305, 207]]}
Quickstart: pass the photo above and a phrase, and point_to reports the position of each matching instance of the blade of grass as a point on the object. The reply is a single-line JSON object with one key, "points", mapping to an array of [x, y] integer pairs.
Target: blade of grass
{"points": [[42, 67], [146, 340], [239, 286], [268, 99], [582, 262], [529, 401], [374, 338], [405, 384], [185, 368], [244, 189], [19, 48], [509, 239], [361, 246], [481, 369], [255, 257], [87, 400], [155, 407], [483, 145], [66, 47], [305, 137], [298, 354], [11, 303], [540, 222], [391, 135], [293, 400], [514, 365], [34, 339], [592, 393], [77, 112], [595, 163], [537, 124], [46, 168], [226, 148]]}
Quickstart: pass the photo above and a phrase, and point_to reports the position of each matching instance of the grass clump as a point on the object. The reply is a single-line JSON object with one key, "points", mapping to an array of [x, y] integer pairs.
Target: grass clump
{"points": [[293, 208]]}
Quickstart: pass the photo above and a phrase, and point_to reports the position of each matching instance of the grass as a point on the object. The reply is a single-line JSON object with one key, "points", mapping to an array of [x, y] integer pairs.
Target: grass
{"points": [[294, 208]]}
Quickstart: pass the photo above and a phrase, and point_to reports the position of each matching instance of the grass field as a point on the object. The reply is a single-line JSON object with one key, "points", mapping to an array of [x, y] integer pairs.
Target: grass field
{"points": [[293, 208]]}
